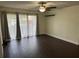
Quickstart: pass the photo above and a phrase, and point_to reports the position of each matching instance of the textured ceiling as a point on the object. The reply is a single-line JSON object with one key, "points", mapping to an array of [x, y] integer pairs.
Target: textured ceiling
{"points": [[32, 5]]}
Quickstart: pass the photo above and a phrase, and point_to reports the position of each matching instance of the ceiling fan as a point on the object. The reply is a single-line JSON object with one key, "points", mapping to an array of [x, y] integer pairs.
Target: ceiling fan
{"points": [[43, 7]]}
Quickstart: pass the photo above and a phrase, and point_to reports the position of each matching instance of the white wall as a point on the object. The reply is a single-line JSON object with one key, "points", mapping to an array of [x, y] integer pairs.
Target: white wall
{"points": [[65, 24], [42, 25]]}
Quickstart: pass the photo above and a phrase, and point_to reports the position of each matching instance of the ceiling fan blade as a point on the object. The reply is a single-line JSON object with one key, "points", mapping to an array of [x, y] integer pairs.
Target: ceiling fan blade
{"points": [[49, 8]]}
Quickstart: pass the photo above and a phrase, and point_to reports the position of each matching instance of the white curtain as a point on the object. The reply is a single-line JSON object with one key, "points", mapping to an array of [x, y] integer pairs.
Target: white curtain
{"points": [[22, 25], [32, 22], [28, 25], [11, 17]]}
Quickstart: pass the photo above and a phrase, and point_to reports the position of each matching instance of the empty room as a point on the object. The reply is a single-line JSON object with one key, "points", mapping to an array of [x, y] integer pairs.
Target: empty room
{"points": [[39, 29]]}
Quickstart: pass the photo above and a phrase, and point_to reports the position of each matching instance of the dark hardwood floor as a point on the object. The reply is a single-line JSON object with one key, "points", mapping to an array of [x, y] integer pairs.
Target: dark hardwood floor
{"points": [[42, 46]]}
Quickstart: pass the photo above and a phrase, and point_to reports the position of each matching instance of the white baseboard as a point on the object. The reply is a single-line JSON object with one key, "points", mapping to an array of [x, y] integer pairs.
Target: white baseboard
{"points": [[76, 43]]}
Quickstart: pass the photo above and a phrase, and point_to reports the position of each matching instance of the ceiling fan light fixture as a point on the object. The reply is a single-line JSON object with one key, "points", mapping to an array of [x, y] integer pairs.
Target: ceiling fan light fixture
{"points": [[42, 9]]}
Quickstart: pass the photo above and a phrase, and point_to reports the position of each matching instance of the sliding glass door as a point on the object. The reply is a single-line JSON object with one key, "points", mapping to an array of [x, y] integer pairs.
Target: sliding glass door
{"points": [[32, 22], [23, 25], [12, 25], [28, 24]]}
